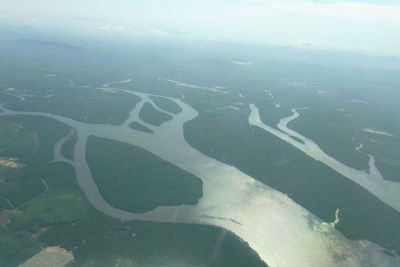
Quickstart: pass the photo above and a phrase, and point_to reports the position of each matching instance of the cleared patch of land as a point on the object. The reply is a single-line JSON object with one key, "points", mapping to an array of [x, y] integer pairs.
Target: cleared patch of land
{"points": [[50, 257], [9, 163], [95, 239], [373, 131]]}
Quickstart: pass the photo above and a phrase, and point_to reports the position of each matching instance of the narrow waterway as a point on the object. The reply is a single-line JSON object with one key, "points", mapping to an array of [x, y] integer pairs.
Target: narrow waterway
{"points": [[371, 180], [282, 232]]}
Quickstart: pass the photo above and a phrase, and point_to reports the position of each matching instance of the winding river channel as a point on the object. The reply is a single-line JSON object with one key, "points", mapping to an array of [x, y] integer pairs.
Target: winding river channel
{"points": [[282, 232], [371, 180]]}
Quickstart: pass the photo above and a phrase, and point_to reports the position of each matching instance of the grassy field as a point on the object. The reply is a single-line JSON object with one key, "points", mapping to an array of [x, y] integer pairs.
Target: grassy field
{"points": [[133, 179], [43, 134], [54, 207], [62, 216], [14, 137], [22, 190], [30, 139], [49, 209], [151, 244], [294, 78], [16, 247]]}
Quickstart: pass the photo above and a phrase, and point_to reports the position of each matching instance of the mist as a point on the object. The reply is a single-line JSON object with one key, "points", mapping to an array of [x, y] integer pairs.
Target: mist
{"points": [[362, 26]]}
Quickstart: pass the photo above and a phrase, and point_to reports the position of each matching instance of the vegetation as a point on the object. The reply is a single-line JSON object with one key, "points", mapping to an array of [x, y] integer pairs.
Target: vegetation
{"points": [[14, 137], [47, 210], [283, 167], [22, 226], [67, 148], [15, 246], [293, 77], [62, 215], [133, 179], [150, 244], [20, 191], [166, 104], [3, 204], [43, 133], [89, 105], [140, 127], [152, 116]]}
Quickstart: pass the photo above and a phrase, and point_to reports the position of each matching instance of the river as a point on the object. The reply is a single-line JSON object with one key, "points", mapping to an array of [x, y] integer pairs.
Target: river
{"points": [[282, 232], [371, 180]]}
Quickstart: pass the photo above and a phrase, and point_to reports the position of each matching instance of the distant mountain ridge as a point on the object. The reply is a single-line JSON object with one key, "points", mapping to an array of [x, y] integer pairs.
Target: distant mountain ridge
{"points": [[48, 44], [47, 52]]}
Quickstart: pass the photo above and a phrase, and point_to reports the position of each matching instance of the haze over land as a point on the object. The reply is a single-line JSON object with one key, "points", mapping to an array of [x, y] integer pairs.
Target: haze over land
{"points": [[200, 133], [362, 26]]}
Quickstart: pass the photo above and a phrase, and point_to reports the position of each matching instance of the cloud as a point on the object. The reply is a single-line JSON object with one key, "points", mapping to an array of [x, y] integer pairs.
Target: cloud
{"points": [[158, 32], [326, 24]]}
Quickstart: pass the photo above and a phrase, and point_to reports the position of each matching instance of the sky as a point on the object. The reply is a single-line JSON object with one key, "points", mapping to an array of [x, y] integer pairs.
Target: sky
{"points": [[367, 26]]}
